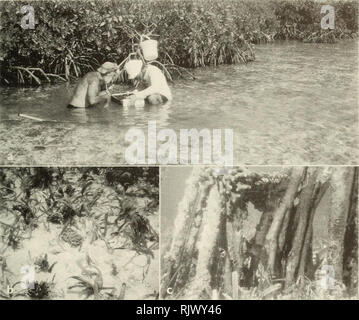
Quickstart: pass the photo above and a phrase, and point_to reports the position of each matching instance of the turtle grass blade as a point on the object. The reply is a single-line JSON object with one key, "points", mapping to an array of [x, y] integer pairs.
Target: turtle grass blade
{"points": [[75, 286], [51, 267], [82, 281]]}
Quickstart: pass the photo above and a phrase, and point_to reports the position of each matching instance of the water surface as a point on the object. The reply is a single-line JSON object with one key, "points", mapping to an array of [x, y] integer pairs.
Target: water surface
{"points": [[296, 104]]}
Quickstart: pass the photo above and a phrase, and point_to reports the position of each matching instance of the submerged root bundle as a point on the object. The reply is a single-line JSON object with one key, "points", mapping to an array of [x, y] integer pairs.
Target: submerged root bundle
{"points": [[200, 285], [280, 258], [176, 274]]}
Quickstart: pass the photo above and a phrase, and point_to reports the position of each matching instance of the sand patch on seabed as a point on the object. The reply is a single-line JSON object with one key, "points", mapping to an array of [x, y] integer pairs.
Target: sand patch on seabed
{"points": [[130, 267], [29, 142], [50, 143]]}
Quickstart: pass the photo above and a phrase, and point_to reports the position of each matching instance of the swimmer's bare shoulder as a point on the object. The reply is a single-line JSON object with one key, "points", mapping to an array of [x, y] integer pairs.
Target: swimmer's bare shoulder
{"points": [[86, 80], [86, 90], [92, 76]]}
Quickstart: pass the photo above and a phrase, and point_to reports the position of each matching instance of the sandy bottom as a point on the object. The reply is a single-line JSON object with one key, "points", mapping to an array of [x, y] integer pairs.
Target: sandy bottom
{"points": [[67, 143], [139, 272], [51, 143]]}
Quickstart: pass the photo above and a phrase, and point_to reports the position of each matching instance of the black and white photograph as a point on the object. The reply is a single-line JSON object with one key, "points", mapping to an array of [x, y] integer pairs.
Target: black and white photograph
{"points": [[278, 78], [178, 150], [79, 233], [253, 233]]}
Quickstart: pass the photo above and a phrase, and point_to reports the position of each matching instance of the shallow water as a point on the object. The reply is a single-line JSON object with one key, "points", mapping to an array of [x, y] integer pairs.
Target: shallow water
{"points": [[296, 104]]}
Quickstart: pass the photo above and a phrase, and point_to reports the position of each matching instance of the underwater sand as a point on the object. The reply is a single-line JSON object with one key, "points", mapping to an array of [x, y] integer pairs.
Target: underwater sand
{"points": [[129, 265]]}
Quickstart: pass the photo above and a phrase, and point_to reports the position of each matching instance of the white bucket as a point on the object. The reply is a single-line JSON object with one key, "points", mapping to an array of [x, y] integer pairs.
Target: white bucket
{"points": [[149, 49]]}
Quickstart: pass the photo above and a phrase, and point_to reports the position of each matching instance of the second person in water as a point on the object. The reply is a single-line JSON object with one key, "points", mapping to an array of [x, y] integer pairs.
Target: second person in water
{"points": [[151, 80]]}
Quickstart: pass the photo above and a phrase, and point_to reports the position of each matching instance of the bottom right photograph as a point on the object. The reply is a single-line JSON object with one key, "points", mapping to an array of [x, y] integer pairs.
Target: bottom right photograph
{"points": [[243, 233]]}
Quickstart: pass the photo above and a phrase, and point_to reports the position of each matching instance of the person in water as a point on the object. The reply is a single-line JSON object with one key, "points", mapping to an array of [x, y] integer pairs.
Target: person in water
{"points": [[156, 89], [89, 91]]}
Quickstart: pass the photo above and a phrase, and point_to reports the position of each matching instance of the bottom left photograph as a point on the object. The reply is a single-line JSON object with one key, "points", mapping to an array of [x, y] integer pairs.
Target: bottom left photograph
{"points": [[79, 233]]}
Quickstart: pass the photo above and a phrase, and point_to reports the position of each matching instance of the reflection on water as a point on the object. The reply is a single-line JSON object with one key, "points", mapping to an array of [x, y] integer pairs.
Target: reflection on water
{"points": [[309, 90]]}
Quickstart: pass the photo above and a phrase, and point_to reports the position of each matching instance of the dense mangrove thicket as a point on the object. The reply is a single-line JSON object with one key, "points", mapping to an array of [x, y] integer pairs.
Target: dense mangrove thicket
{"points": [[219, 250], [74, 37]]}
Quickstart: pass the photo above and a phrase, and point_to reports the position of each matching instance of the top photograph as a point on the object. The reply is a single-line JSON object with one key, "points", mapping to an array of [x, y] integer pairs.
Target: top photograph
{"points": [[169, 82]]}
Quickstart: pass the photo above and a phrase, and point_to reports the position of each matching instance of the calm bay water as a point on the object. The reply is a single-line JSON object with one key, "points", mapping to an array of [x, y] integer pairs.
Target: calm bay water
{"points": [[297, 102]]}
